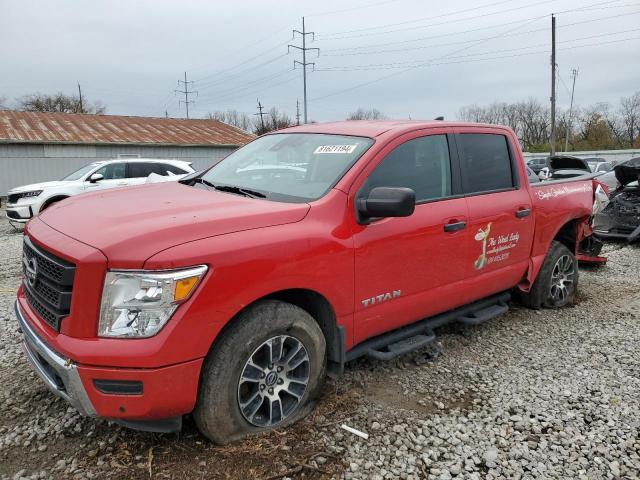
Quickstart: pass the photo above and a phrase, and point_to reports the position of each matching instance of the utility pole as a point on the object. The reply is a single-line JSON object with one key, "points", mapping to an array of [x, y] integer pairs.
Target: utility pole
{"points": [[186, 92], [262, 114], [297, 112], [80, 95], [553, 85], [304, 62], [574, 74]]}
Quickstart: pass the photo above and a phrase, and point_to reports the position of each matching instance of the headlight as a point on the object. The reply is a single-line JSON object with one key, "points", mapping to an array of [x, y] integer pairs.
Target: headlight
{"points": [[33, 193], [139, 303]]}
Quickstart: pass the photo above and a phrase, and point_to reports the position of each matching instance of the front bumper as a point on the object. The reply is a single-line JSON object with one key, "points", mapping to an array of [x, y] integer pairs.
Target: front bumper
{"points": [[19, 212], [59, 374], [164, 395]]}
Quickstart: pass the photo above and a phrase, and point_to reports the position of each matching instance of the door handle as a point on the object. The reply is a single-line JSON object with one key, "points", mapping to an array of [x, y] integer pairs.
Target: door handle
{"points": [[123, 183], [522, 212], [454, 226]]}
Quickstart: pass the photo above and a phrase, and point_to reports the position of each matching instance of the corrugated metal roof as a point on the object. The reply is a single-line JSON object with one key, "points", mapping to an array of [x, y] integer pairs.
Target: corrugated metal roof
{"points": [[72, 128]]}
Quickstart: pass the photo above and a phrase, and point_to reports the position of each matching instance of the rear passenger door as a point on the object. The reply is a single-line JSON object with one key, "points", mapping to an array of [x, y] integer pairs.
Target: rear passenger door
{"points": [[500, 230], [139, 171], [407, 268]]}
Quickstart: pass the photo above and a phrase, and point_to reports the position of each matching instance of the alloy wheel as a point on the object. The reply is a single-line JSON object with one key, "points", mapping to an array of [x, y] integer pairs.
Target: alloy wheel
{"points": [[562, 279], [273, 381]]}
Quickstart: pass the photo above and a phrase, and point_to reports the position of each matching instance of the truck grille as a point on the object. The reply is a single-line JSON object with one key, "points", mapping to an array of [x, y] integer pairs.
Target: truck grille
{"points": [[48, 283]]}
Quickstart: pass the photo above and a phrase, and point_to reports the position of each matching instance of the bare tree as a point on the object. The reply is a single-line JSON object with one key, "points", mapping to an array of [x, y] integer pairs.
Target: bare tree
{"points": [[233, 117], [629, 118], [59, 102], [274, 120], [364, 114]]}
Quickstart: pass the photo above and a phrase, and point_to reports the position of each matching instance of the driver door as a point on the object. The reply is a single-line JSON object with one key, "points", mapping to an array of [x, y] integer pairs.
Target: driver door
{"points": [[409, 268], [114, 175]]}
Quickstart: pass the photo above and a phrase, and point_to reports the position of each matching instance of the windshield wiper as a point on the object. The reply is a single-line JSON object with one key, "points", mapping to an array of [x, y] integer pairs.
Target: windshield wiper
{"points": [[204, 182], [240, 191]]}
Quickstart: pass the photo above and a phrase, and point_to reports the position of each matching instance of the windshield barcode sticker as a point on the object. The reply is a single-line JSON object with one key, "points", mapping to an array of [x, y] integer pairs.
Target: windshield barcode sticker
{"points": [[335, 149]]}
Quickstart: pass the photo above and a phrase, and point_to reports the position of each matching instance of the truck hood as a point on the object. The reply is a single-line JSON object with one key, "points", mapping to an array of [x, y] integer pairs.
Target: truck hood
{"points": [[38, 186], [628, 171], [130, 225]]}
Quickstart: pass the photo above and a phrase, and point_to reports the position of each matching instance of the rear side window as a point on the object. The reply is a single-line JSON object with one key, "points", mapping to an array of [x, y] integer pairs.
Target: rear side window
{"points": [[485, 162], [140, 169], [421, 164]]}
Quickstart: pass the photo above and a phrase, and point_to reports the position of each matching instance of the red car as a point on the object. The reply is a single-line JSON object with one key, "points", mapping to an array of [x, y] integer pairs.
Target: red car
{"points": [[233, 293]]}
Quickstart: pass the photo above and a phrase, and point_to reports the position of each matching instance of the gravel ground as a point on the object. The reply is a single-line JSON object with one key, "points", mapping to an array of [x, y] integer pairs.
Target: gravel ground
{"points": [[547, 394]]}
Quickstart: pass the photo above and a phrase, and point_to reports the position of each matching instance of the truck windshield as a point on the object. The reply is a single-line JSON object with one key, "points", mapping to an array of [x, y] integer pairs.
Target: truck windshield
{"points": [[78, 174], [294, 167]]}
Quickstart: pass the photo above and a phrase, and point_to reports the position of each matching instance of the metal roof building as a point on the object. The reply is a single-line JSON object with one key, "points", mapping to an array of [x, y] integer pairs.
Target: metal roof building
{"points": [[36, 146]]}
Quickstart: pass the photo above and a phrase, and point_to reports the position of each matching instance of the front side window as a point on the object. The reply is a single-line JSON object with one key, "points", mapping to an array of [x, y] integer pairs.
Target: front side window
{"points": [[113, 171], [485, 162], [289, 166], [421, 164]]}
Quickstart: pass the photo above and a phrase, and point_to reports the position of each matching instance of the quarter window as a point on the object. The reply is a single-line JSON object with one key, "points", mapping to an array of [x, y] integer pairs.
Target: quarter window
{"points": [[421, 164], [485, 162]]}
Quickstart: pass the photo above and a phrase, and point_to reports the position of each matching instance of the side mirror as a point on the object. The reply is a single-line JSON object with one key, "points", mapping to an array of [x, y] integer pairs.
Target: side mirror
{"points": [[96, 177], [386, 202]]}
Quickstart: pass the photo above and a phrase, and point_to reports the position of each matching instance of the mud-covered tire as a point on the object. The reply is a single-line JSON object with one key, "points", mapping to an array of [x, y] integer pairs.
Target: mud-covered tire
{"points": [[559, 266], [246, 343]]}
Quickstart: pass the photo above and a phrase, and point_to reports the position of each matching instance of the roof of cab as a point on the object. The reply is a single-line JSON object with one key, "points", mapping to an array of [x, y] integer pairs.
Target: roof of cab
{"points": [[375, 128]]}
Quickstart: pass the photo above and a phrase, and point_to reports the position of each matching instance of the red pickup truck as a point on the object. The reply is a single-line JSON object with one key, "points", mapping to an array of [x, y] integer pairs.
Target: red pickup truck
{"points": [[233, 293]]}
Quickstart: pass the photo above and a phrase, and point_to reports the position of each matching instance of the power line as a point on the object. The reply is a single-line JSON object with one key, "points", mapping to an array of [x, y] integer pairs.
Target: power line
{"points": [[335, 36], [385, 66], [259, 55], [447, 22], [243, 86], [186, 92], [418, 19], [413, 67], [469, 59], [351, 9], [304, 62], [434, 45], [254, 91]]}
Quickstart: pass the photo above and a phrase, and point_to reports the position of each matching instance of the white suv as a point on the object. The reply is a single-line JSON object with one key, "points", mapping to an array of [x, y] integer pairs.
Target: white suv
{"points": [[29, 200]]}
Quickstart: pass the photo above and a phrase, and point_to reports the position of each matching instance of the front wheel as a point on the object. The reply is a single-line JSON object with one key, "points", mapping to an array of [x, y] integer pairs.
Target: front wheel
{"points": [[557, 281], [263, 372]]}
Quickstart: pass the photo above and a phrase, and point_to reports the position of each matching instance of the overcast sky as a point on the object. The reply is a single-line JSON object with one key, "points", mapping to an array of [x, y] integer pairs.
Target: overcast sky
{"points": [[407, 58]]}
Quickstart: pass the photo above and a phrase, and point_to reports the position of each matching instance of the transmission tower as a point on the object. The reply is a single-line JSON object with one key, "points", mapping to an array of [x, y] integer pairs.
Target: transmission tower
{"points": [[304, 49], [186, 92]]}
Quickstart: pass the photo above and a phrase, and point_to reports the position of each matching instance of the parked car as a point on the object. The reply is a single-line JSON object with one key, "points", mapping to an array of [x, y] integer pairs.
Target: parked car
{"points": [[599, 165], [27, 201], [566, 166], [231, 295], [537, 163], [620, 219]]}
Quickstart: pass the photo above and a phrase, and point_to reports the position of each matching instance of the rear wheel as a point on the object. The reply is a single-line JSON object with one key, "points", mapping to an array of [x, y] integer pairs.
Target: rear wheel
{"points": [[263, 372], [557, 281]]}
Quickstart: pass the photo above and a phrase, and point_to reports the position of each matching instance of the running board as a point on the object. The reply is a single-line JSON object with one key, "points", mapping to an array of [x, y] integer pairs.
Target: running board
{"points": [[407, 345], [398, 342], [481, 316]]}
